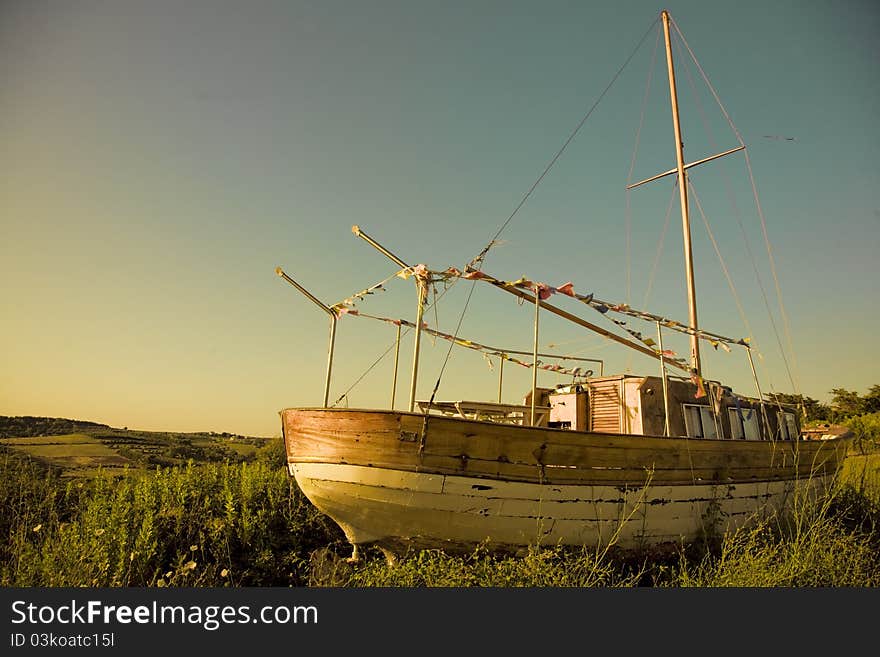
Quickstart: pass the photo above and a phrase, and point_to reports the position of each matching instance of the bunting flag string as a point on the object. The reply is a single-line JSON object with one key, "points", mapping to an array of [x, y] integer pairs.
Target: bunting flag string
{"points": [[476, 346], [603, 307], [545, 291], [347, 305], [426, 276]]}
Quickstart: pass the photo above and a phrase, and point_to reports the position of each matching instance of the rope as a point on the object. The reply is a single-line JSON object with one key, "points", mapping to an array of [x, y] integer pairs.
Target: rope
{"points": [[776, 282], [602, 307], [451, 344], [760, 214], [387, 351], [367, 371], [730, 284], [659, 251], [632, 166], [487, 349], [479, 257], [345, 303], [730, 197], [709, 85], [653, 275]]}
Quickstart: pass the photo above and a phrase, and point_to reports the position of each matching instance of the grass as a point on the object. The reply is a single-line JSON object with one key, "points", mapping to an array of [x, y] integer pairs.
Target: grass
{"points": [[79, 454], [232, 523], [244, 449], [69, 439], [862, 472], [85, 450], [828, 543], [94, 446]]}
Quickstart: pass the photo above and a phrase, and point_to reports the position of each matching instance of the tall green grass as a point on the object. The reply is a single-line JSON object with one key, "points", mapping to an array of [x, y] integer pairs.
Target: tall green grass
{"points": [[828, 544], [537, 567], [247, 524], [195, 525]]}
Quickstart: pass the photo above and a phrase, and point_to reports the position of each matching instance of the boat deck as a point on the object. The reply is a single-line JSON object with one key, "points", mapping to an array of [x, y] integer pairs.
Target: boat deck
{"points": [[491, 411]]}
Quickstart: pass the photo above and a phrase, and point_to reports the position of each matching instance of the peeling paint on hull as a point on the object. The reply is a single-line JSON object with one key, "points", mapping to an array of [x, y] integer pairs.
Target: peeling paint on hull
{"points": [[394, 509], [465, 482]]}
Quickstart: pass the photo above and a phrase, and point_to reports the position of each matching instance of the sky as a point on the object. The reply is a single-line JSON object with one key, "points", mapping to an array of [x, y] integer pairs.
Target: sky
{"points": [[161, 159]]}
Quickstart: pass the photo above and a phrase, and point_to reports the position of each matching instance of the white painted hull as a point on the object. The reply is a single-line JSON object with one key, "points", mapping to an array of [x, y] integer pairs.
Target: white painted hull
{"points": [[395, 509]]}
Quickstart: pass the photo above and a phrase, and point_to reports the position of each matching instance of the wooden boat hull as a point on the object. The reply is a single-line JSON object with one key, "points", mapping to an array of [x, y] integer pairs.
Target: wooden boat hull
{"points": [[402, 479]]}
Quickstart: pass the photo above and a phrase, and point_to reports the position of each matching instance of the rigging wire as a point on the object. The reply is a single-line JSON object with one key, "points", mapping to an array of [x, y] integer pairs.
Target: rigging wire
{"points": [[776, 282], [730, 284], [762, 218], [730, 195], [479, 257], [437, 298], [451, 345], [632, 165], [658, 253], [738, 216]]}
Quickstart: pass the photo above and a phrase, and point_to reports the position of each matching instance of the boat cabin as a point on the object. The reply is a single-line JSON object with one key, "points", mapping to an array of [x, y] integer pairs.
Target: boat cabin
{"points": [[628, 404]]}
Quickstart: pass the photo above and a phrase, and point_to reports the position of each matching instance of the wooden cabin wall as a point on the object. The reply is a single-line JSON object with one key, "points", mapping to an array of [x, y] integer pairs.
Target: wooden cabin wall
{"points": [[569, 410], [632, 406], [542, 399], [683, 392], [606, 404], [653, 408]]}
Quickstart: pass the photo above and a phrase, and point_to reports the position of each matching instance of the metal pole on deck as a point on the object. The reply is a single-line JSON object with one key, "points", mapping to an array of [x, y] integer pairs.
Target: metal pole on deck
{"points": [[396, 360], [330, 312], [760, 394], [535, 355], [381, 249], [423, 293], [665, 381], [422, 290], [500, 376], [330, 350]]}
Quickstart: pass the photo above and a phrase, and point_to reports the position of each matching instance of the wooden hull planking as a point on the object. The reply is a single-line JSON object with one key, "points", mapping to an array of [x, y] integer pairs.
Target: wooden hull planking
{"points": [[402, 479], [396, 509]]}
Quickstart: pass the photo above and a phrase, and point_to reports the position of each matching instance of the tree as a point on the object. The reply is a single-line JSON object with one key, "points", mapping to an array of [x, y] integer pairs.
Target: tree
{"points": [[813, 408], [872, 399], [847, 402]]}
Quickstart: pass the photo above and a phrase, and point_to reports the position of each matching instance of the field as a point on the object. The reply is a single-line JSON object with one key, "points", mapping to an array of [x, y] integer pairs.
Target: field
{"points": [[81, 449], [97, 506], [77, 453]]}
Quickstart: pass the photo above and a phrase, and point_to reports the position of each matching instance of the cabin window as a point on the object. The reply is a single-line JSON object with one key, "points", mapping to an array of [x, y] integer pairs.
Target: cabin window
{"points": [[788, 429], [744, 423], [699, 421]]}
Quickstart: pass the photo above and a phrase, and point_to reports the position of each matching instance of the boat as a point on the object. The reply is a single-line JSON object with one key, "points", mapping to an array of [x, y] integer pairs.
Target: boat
{"points": [[622, 460]]}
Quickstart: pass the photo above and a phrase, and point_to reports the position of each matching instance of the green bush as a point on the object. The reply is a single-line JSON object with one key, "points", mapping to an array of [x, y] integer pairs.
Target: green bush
{"points": [[866, 431]]}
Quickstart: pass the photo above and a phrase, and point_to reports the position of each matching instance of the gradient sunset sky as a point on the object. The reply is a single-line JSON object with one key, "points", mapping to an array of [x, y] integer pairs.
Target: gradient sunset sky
{"points": [[162, 158]]}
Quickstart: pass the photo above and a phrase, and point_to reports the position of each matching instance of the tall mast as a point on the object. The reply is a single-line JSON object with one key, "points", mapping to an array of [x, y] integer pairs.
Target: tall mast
{"points": [[682, 190]]}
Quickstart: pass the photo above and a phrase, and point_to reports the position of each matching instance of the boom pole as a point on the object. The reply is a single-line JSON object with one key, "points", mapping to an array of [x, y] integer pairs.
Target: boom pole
{"points": [[528, 298]]}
